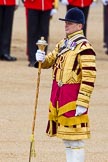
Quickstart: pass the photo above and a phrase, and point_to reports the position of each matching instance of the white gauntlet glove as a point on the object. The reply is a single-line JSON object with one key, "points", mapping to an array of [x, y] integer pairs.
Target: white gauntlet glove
{"points": [[40, 55], [64, 2], [105, 2], [53, 11], [80, 110], [93, 4]]}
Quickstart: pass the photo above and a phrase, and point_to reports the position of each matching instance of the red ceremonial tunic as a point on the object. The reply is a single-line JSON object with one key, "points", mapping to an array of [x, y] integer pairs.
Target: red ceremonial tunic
{"points": [[80, 3], [39, 4], [8, 2]]}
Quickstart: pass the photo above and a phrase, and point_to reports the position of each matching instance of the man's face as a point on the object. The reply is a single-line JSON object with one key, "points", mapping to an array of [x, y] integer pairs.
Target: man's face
{"points": [[71, 27]]}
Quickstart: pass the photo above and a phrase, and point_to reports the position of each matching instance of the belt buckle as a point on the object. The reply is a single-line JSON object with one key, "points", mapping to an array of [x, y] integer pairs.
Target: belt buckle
{"points": [[60, 83]]}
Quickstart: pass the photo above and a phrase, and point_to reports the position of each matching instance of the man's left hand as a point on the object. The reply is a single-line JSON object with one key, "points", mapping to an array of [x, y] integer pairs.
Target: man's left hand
{"points": [[53, 11], [64, 2], [80, 110]]}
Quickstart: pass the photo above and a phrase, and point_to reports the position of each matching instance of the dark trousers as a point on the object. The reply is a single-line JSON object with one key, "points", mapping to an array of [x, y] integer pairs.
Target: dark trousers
{"points": [[86, 12], [37, 26], [105, 24], [6, 23]]}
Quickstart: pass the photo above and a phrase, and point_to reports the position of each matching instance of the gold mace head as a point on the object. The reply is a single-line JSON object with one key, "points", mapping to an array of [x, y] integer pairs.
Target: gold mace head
{"points": [[41, 44]]}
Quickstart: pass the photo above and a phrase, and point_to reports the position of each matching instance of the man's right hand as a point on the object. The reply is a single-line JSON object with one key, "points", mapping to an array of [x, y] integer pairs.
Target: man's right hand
{"points": [[40, 56], [105, 2]]}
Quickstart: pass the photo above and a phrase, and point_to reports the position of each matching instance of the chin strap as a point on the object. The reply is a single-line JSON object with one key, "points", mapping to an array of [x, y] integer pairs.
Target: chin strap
{"points": [[74, 150]]}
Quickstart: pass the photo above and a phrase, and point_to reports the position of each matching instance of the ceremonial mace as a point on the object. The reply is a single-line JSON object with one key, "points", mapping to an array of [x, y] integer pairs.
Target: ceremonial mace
{"points": [[41, 45]]}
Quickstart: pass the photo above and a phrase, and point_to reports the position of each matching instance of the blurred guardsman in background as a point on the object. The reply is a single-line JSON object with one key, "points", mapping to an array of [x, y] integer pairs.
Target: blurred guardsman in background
{"points": [[105, 24], [7, 8], [74, 73], [83, 5], [38, 14]]}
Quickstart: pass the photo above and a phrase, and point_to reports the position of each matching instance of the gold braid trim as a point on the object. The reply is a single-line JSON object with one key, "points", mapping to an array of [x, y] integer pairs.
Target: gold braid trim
{"points": [[55, 4], [70, 133], [63, 109], [69, 121]]}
